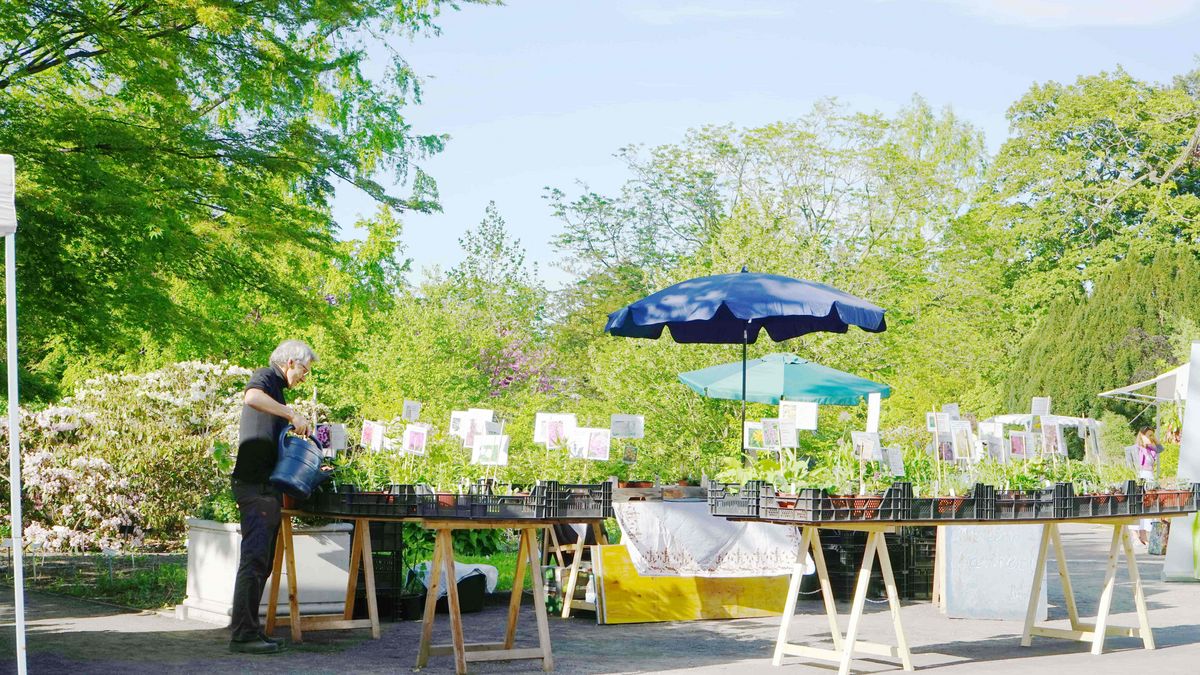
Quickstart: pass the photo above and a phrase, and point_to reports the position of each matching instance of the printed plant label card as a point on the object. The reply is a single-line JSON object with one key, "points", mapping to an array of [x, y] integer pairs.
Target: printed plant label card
{"points": [[491, 450], [412, 411], [628, 426]]}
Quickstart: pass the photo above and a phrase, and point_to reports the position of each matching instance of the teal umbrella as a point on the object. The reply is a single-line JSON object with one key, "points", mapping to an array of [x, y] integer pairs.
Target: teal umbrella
{"points": [[782, 376]]}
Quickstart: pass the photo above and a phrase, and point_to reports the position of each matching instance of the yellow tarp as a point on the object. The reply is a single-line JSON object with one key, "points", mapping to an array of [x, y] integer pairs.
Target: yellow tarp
{"points": [[623, 596]]}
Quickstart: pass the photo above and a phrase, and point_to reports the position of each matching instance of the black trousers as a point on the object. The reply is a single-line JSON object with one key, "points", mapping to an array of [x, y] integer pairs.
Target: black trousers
{"points": [[260, 506]]}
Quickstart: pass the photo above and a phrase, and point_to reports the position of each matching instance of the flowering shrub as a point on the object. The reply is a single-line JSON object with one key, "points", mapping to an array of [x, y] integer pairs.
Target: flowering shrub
{"points": [[78, 504], [517, 362], [128, 451]]}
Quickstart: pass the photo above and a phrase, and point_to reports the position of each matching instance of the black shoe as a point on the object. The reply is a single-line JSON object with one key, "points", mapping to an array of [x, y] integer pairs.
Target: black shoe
{"points": [[255, 645], [267, 638]]}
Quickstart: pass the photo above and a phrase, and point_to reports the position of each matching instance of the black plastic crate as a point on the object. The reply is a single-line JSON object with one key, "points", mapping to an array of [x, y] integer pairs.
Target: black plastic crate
{"points": [[1065, 504], [730, 500], [530, 504], [979, 504], [513, 507], [333, 503], [1125, 501], [1170, 501], [808, 506], [386, 537], [915, 584], [389, 570], [855, 507], [894, 505], [370, 503], [1024, 504], [897, 502], [575, 501], [448, 505]]}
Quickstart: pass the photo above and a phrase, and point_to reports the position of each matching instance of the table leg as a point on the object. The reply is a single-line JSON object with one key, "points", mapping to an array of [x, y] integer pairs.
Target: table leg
{"points": [[789, 605], [446, 541], [289, 557], [276, 571], [1110, 578], [352, 579], [889, 581], [1060, 557], [1035, 592], [860, 599], [514, 602], [435, 579], [1139, 598], [539, 600], [573, 576], [826, 588], [363, 531], [601, 536]]}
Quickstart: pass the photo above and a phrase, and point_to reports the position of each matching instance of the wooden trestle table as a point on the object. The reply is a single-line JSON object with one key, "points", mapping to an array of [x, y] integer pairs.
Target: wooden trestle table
{"points": [[846, 645], [528, 561]]}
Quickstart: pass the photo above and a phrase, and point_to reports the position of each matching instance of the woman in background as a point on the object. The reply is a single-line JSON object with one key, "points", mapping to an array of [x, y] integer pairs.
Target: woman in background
{"points": [[1146, 458]]}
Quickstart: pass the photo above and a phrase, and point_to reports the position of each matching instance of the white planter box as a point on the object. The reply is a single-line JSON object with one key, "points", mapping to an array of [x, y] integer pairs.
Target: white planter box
{"points": [[322, 565]]}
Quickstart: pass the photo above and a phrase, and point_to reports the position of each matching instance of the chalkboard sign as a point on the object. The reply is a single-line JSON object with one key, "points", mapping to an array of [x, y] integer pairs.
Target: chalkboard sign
{"points": [[989, 571]]}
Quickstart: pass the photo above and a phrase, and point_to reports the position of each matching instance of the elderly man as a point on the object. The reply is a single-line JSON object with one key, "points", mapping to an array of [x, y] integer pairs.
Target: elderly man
{"points": [[264, 417]]}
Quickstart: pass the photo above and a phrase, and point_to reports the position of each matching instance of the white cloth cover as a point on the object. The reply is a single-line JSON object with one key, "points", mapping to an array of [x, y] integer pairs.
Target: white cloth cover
{"points": [[682, 539], [462, 571]]}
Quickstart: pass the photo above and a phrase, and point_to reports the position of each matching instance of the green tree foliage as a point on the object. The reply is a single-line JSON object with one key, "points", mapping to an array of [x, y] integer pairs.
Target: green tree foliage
{"points": [[1095, 172], [1120, 333], [176, 160]]}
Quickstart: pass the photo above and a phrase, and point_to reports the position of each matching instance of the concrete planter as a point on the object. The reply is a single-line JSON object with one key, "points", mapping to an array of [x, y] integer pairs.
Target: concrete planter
{"points": [[322, 565]]}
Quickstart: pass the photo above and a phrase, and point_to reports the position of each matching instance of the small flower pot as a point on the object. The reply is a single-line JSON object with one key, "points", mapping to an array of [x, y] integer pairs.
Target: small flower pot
{"points": [[949, 505]]}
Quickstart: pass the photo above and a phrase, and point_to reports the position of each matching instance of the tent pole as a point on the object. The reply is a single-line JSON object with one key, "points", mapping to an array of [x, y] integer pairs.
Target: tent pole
{"points": [[14, 447]]}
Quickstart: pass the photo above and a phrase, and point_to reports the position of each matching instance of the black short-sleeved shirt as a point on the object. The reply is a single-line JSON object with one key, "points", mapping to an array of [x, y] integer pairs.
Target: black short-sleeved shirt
{"points": [[258, 435]]}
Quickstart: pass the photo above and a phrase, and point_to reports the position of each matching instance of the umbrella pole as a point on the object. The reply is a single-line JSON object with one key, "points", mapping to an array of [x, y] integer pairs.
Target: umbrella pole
{"points": [[742, 430]]}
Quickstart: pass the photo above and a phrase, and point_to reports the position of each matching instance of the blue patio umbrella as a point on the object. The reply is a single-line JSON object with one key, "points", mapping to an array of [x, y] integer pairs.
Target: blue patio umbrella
{"points": [[776, 377], [735, 308]]}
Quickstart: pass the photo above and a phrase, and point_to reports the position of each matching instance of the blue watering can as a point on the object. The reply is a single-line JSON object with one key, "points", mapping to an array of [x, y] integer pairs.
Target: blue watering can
{"points": [[298, 470]]}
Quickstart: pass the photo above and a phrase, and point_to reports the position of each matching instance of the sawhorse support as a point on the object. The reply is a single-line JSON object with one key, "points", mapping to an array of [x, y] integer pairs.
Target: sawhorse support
{"points": [[360, 555], [528, 559], [844, 647], [1083, 632], [553, 547]]}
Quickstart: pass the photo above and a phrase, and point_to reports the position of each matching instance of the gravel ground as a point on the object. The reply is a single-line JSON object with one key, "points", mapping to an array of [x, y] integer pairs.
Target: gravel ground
{"points": [[70, 635]]}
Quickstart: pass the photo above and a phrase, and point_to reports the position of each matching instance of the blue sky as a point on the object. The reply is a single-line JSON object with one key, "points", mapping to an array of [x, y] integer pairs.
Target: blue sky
{"points": [[542, 92]]}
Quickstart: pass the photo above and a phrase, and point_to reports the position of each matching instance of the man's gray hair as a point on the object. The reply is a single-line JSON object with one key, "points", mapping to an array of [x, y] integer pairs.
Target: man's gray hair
{"points": [[296, 350]]}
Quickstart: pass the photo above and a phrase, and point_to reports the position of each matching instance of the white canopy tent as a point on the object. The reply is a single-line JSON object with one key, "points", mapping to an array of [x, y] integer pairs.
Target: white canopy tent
{"points": [[1169, 387]]}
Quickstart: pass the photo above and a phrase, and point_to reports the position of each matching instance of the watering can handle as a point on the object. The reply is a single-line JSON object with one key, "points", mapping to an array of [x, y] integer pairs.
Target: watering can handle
{"points": [[288, 429]]}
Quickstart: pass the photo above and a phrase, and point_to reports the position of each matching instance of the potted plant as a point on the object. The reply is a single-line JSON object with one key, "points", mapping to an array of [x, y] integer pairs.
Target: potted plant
{"points": [[412, 596]]}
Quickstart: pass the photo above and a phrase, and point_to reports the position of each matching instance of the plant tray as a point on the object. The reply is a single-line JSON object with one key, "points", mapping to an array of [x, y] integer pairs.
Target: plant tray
{"points": [[575, 501], [1024, 504], [1170, 501], [980, 504], [808, 506], [729, 500], [1124, 502], [854, 507]]}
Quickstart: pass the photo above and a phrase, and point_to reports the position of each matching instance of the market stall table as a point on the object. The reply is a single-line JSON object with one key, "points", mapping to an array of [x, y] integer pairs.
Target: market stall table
{"points": [[528, 559], [845, 646]]}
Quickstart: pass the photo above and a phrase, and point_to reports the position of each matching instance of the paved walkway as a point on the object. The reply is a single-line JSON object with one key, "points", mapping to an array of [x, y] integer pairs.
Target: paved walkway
{"points": [[74, 636]]}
